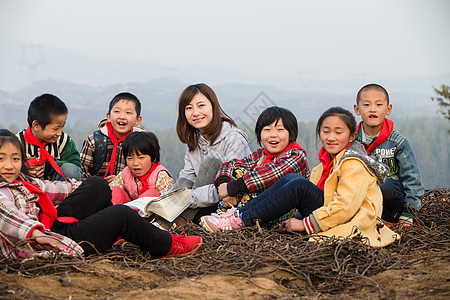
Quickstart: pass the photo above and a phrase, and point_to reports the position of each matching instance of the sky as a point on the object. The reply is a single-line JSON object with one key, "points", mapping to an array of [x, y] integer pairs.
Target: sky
{"points": [[328, 39]]}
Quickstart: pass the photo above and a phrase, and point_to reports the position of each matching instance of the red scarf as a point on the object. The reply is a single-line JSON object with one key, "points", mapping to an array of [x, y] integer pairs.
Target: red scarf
{"points": [[49, 213], [144, 178], [327, 165], [115, 141], [270, 157], [386, 129], [43, 154]]}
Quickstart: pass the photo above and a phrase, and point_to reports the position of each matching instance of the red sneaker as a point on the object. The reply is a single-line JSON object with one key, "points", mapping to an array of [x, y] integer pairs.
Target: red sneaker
{"points": [[183, 244]]}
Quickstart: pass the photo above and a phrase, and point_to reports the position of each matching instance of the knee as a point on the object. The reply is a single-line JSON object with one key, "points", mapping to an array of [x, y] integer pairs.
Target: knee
{"points": [[71, 171], [100, 185]]}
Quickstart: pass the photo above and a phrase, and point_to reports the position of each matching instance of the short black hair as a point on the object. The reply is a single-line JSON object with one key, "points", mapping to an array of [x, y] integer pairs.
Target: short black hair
{"points": [[144, 142], [7, 136], [127, 97], [44, 107], [274, 114], [372, 86]]}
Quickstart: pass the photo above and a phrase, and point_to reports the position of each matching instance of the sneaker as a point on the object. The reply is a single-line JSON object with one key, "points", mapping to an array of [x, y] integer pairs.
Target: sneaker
{"points": [[228, 220], [183, 244]]}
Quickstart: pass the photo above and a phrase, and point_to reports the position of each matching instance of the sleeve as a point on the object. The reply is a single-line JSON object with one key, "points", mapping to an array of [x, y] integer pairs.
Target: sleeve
{"points": [[118, 181], [187, 174], [57, 191], [260, 178], [236, 146], [14, 223], [346, 200], [70, 153], [164, 182], [409, 176], [87, 156]]}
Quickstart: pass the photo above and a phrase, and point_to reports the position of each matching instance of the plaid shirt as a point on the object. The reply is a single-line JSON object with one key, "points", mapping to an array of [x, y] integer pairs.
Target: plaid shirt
{"points": [[88, 154], [260, 177], [19, 217]]}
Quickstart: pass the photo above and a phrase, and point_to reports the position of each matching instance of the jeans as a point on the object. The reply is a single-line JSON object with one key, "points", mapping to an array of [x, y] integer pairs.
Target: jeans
{"points": [[291, 191], [69, 171], [393, 199], [101, 223]]}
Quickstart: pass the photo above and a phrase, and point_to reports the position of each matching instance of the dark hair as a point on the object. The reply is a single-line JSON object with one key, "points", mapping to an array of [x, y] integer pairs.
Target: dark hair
{"points": [[143, 142], [185, 131], [372, 86], [275, 114], [43, 108], [127, 97], [7, 136], [340, 112]]}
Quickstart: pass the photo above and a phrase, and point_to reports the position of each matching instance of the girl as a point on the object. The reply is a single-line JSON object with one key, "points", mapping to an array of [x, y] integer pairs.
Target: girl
{"points": [[240, 180], [212, 138], [144, 176], [342, 199], [27, 211]]}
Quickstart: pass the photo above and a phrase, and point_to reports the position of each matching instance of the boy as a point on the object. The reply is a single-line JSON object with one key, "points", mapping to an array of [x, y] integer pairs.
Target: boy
{"points": [[51, 153], [403, 190], [101, 154]]}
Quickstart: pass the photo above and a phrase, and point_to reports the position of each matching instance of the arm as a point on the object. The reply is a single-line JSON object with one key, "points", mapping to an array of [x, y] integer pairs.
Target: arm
{"points": [[87, 156], [260, 178], [118, 181], [164, 182], [187, 174], [57, 191]]}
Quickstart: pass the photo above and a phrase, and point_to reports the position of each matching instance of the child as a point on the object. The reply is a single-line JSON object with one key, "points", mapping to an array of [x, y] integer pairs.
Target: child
{"points": [[212, 138], [101, 154], [144, 176], [342, 199], [403, 190], [240, 180], [50, 152], [27, 211]]}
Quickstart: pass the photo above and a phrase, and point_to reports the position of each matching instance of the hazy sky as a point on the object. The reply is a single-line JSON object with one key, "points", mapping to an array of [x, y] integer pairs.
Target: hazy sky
{"points": [[330, 39]]}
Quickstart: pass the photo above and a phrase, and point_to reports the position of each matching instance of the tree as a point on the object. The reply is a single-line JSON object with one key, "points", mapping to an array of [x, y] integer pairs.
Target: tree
{"points": [[443, 101]]}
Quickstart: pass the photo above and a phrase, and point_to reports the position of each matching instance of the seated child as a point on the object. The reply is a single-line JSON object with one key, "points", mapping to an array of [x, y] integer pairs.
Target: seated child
{"points": [[101, 154], [403, 190], [85, 214], [342, 199], [51, 153], [240, 180], [144, 176]]}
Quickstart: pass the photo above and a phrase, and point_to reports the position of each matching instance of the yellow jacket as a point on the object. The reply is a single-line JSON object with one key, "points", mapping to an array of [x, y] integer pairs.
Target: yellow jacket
{"points": [[352, 200]]}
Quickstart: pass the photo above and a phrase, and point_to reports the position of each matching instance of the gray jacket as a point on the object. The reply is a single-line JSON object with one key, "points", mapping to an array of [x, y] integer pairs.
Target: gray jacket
{"points": [[231, 143]]}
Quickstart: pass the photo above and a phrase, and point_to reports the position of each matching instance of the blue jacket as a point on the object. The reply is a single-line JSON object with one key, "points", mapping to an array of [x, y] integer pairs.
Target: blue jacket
{"points": [[397, 154]]}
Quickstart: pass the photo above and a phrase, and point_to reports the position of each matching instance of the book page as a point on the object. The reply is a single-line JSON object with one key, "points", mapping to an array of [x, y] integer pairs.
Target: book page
{"points": [[171, 205], [140, 204]]}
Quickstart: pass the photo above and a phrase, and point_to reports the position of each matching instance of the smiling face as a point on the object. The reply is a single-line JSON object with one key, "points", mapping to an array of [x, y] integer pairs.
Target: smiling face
{"points": [[50, 133], [139, 163], [373, 108], [199, 112], [123, 117], [275, 138], [10, 162], [334, 135]]}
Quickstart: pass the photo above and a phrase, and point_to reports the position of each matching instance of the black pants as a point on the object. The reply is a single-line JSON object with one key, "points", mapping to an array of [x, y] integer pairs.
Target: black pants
{"points": [[102, 223], [393, 199]]}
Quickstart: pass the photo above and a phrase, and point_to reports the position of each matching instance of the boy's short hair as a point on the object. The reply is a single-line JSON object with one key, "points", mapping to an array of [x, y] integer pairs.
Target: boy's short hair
{"points": [[144, 142], [128, 97], [372, 86], [44, 107], [273, 114]]}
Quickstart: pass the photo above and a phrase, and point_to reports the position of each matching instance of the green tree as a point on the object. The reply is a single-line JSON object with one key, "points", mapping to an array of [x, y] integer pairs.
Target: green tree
{"points": [[443, 100]]}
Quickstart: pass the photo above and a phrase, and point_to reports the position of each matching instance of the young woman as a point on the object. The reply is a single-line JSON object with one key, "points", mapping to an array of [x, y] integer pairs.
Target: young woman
{"points": [[212, 138], [342, 199], [27, 211]]}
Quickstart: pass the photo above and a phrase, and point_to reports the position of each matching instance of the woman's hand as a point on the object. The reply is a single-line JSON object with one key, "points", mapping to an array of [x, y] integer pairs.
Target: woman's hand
{"points": [[110, 178], [223, 191], [293, 224], [404, 224]]}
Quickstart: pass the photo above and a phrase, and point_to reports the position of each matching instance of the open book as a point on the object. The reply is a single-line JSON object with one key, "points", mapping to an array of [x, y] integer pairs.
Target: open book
{"points": [[169, 205]]}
